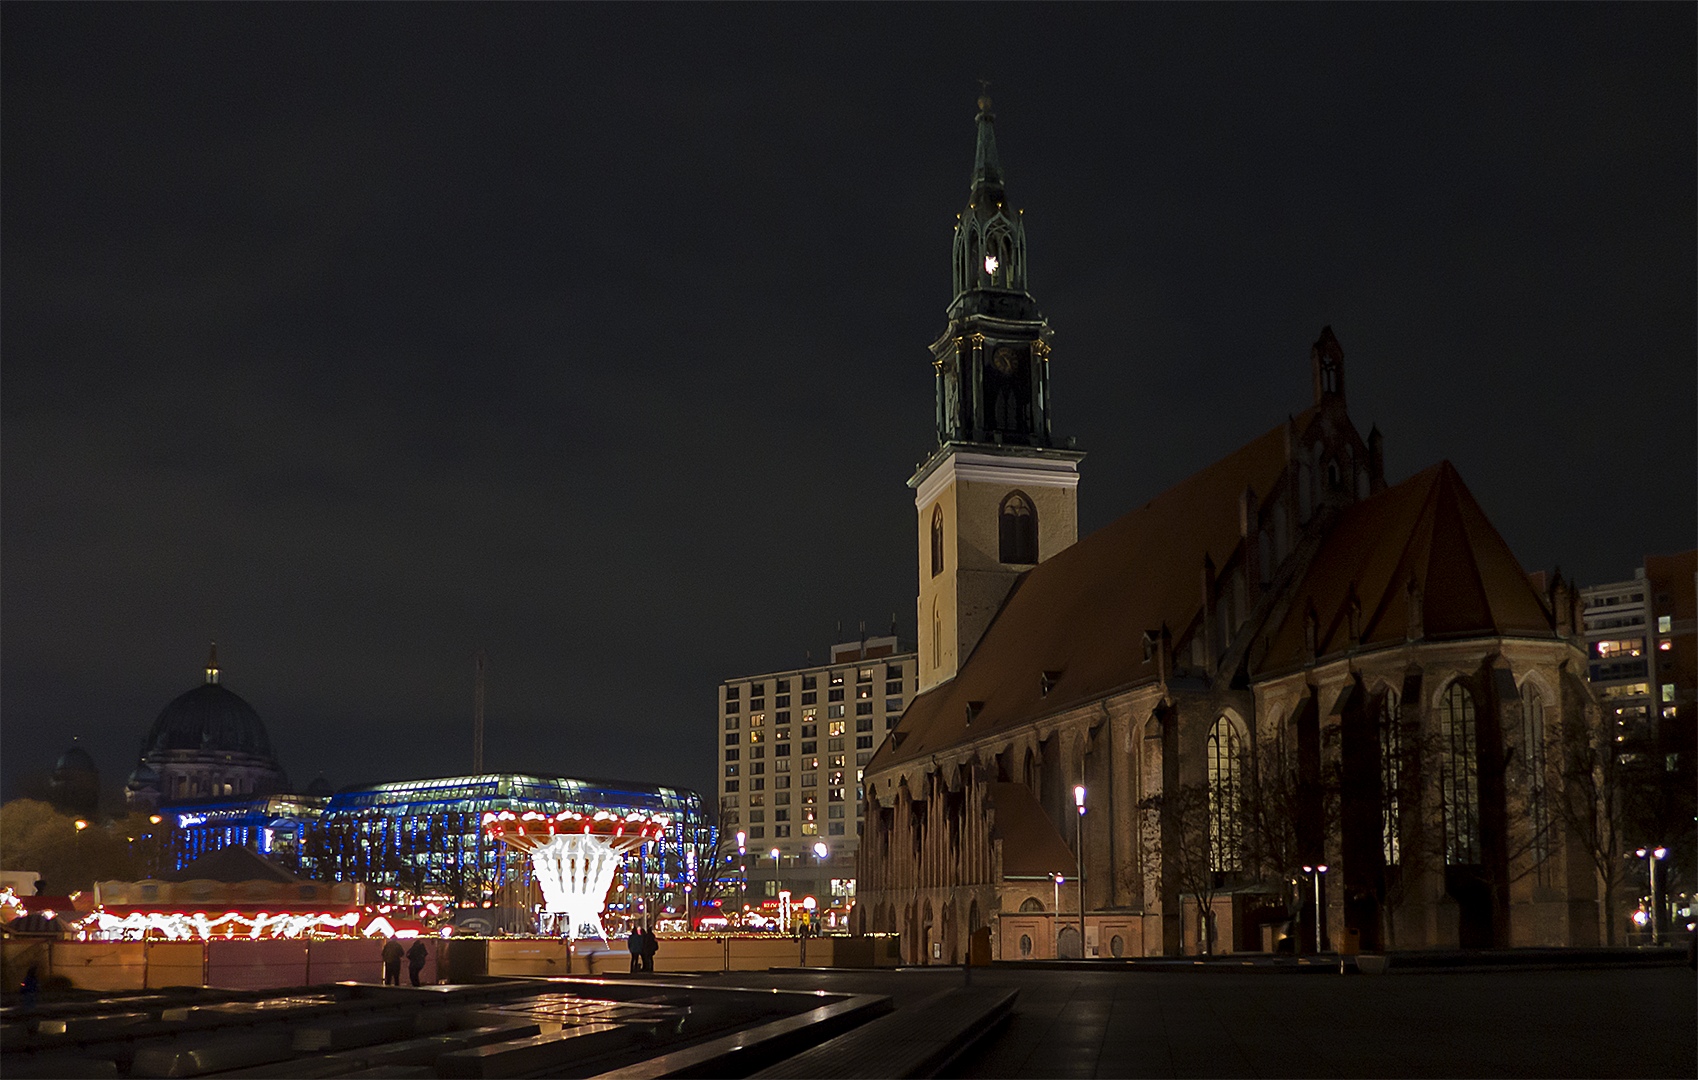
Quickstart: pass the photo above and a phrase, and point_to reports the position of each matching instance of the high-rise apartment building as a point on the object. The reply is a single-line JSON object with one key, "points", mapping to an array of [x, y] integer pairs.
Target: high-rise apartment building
{"points": [[1642, 651], [792, 746]]}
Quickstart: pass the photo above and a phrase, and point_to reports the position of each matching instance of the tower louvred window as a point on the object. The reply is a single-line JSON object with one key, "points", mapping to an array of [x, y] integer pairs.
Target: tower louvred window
{"points": [[1017, 522]]}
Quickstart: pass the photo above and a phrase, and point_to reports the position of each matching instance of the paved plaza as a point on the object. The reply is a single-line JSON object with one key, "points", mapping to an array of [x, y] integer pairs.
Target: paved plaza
{"points": [[1610, 1022]]}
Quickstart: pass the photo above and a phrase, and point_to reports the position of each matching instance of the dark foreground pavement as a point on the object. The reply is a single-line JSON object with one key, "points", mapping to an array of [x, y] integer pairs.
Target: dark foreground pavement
{"points": [[1630, 1023]]}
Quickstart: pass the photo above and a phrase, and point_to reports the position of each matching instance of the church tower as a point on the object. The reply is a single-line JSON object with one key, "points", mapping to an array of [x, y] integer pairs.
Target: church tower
{"points": [[996, 497]]}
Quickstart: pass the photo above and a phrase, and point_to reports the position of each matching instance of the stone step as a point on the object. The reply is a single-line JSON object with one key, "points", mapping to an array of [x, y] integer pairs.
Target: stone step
{"points": [[916, 1041], [220, 1053], [520, 1057]]}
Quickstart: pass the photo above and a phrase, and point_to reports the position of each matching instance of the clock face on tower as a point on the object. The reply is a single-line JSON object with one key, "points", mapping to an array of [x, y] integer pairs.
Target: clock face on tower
{"points": [[1004, 360]]}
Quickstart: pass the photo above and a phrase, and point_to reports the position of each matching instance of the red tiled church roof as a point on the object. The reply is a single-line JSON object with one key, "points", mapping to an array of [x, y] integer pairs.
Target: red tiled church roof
{"points": [[1428, 530], [1030, 845], [1084, 612]]}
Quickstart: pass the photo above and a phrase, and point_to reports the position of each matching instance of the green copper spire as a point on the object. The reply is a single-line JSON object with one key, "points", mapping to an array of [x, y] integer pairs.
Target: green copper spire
{"points": [[987, 170], [990, 239]]}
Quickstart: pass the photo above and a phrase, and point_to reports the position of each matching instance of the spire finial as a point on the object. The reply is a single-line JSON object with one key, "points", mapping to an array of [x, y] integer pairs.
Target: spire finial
{"points": [[212, 664]]}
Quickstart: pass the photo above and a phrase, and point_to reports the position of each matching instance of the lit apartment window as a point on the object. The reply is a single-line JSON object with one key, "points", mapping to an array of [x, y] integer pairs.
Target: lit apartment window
{"points": [[1668, 691], [835, 728], [811, 763], [1664, 645], [864, 675], [807, 830], [1620, 647], [1665, 623], [757, 719], [836, 794], [837, 763], [757, 800], [781, 735], [756, 737]]}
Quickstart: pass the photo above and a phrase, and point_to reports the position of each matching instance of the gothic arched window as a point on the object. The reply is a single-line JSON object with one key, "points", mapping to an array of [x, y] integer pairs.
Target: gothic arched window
{"points": [[1225, 836], [1391, 780], [1017, 521], [937, 540], [1533, 779], [1459, 777]]}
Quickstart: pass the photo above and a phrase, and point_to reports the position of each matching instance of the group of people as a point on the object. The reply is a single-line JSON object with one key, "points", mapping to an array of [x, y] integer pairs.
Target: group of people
{"points": [[392, 954], [643, 947]]}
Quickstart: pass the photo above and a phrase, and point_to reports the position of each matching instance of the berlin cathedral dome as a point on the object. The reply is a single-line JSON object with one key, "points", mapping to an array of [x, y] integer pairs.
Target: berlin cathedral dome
{"points": [[206, 742]]}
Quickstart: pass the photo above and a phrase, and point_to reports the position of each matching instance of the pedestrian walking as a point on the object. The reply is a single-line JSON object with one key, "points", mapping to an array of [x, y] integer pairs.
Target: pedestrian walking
{"points": [[416, 957], [392, 962]]}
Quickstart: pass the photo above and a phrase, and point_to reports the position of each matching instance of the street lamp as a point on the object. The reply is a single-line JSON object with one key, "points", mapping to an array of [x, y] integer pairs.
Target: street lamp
{"points": [[742, 872], [1055, 921], [1652, 857], [820, 853], [775, 881], [1320, 912], [1079, 845]]}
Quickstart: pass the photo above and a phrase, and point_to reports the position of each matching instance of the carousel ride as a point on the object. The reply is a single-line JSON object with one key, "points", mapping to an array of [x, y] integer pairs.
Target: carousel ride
{"points": [[575, 858]]}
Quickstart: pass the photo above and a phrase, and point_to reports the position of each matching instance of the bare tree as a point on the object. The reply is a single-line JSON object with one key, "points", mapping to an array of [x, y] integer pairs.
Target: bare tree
{"points": [[1175, 830], [1595, 783]]}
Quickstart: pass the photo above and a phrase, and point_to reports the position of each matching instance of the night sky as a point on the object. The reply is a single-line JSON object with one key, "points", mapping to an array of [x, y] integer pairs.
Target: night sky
{"points": [[359, 337]]}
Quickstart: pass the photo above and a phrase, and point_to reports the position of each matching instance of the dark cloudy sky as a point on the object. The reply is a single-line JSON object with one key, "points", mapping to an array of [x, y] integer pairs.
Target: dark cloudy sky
{"points": [[359, 337]]}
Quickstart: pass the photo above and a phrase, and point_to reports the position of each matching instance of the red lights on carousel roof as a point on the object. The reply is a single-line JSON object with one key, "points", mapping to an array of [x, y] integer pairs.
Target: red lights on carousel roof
{"points": [[506, 825]]}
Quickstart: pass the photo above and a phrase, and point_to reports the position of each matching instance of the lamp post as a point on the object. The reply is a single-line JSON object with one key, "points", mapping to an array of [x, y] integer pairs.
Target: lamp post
{"points": [[1079, 846], [742, 873], [1652, 857], [1320, 912], [1055, 921], [820, 854], [775, 881]]}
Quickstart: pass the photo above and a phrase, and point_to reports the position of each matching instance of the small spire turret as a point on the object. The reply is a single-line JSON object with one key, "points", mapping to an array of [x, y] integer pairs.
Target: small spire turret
{"points": [[212, 665]]}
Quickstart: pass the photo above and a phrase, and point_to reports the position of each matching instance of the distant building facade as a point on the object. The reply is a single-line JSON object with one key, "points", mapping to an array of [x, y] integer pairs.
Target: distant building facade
{"points": [[1642, 654], [1280, 670], [207, 742], [792, 747]]}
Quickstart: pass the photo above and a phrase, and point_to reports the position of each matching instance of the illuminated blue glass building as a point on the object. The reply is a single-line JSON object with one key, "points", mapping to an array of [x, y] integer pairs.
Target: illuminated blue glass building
{"points": [[425, 837]]}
